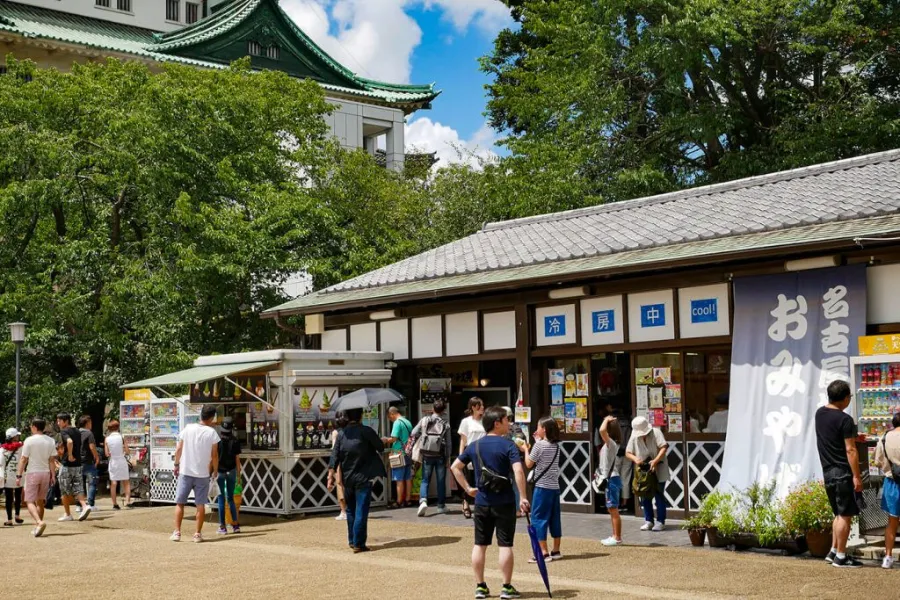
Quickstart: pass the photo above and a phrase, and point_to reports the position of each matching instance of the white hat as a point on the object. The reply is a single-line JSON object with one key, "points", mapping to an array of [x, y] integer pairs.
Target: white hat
{"points": [[12, 432], [640, 426]]}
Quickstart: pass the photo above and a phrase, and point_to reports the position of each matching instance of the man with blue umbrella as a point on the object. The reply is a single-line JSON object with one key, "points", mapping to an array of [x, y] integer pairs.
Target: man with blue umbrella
{"points": [[498, 466]]}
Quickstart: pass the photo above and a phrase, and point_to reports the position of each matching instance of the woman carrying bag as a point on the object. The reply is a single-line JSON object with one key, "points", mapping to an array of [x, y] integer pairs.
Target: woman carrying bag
{"points": [[114, 447], [229, 475], [887, 457], [546, 512]]}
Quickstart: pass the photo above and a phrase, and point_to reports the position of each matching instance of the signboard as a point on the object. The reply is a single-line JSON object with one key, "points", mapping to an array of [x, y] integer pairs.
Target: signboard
{"points": [[555, 325], [793, 335], [651, 316], [217, 391], [138, 395], [313, 416], [602, 321], [704, 311], [873, 345]]}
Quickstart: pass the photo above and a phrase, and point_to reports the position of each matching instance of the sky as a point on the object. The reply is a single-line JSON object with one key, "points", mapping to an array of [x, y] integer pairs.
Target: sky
{"points": [[417, 41]]}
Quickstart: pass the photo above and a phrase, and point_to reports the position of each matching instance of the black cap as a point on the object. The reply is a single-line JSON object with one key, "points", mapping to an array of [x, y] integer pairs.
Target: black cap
{"points": [[227, 425]]}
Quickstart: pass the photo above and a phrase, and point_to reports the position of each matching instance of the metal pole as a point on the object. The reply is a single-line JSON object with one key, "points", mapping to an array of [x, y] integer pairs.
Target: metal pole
{"points": [[18, 388]]}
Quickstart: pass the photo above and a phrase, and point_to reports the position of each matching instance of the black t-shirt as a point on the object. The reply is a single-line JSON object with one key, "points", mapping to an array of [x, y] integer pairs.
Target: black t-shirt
{"points": [[87, 438], [229, 448], [70, 433], [832, 428]]}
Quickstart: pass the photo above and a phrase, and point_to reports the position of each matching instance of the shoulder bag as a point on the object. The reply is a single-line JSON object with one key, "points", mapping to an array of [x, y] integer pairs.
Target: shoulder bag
{"points": [[490, 480], [535, 479], [398, 459], [600, 481], [895, 469]]}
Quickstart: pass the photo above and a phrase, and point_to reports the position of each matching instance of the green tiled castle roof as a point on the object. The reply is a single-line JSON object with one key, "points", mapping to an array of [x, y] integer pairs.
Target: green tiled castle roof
{"points": [[190, 45]]}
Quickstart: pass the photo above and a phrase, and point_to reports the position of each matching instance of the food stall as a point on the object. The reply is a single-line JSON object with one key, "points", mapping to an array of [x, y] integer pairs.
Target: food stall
{"points": [[281, 402]]}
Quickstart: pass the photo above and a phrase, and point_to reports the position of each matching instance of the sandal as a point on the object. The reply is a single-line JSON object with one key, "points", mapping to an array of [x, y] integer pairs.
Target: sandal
{"points": [[467, 511], [393, 506], [8, 524]]}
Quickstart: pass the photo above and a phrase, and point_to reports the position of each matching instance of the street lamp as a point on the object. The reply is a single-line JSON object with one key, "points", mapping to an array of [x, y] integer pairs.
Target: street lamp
{"points": [[17, 335]]}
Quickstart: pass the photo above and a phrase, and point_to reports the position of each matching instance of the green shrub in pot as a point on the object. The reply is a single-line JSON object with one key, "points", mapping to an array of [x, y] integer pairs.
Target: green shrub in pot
{"points": [[709, 509], [763, 514], [727, 515], [806, 509]]}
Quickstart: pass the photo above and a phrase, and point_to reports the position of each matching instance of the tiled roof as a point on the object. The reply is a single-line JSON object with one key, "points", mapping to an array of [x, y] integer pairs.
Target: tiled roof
{"points": [[822, 202], [34, 22]]}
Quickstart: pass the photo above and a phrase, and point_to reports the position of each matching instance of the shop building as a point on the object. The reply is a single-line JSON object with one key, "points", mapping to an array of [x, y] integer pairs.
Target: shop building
{"points": [[632, 305]]}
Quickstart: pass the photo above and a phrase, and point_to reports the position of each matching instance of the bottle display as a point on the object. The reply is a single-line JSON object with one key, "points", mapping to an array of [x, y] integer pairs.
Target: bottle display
{"points": [[878, 397]]}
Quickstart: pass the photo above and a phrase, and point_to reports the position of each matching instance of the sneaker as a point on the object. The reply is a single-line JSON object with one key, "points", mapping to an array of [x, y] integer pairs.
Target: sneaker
{"points": [[847, 562], [341, 517], [442, 510], [176, 536], [116, 507], [647, 526], [39, 530], [423, 507], [659, 527], [221, 531], [547, 559], [65, 518], [197, 538], [235, 528], [94, 509], [84, 514], [888, 562], [482, 591], [78, 509], [508, 591], [556, 556], [611, 541], [831, 556]]}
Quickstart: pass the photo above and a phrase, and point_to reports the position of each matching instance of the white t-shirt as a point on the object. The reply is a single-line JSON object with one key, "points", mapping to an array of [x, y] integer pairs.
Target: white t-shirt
{"points": [[472, 429], [39, 449], [718, 422], [196, 452]]}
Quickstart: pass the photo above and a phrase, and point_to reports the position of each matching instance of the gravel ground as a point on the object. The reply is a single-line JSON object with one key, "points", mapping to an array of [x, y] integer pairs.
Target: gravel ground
{"points": [[127, 553]]}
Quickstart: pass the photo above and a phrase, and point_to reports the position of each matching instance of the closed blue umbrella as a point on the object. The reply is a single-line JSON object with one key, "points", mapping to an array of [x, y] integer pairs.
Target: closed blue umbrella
{"points": [[538, 554]]}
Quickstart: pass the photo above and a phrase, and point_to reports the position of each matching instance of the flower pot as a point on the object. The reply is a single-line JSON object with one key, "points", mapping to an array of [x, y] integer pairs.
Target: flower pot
{"points": [[698, 536], [793, 546], [819, 543], [745, 541], [717, 541]]}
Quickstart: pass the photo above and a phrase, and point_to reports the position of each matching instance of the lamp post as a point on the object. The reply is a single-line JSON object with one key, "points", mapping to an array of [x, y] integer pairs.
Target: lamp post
{"points": [[17, 335]]}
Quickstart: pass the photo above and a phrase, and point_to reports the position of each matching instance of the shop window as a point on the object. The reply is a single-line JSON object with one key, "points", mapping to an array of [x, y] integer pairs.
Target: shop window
{"points": [[173, 10], [191, 12], [569, 389], [707, 382], [658, 381]]}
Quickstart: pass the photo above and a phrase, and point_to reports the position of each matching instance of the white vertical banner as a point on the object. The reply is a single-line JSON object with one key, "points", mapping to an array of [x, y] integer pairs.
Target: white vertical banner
{"points": [[793, 335]]}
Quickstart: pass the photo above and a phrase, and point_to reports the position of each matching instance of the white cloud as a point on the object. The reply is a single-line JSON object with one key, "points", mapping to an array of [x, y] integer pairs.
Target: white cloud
{"points": [[425, 135], [376, 38]]}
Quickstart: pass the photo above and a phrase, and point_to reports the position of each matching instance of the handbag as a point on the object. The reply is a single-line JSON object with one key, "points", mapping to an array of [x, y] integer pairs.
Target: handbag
{"points": [[895, 469], [397, 459], [490, 480], [535, 479], [645, 482]]}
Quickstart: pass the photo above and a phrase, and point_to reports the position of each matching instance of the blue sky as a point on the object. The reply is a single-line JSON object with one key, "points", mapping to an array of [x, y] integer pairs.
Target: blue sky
{"points": [[416, 41]]}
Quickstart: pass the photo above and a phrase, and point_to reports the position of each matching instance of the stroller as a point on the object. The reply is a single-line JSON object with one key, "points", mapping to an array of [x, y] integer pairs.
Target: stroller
{"points": [[139, 473]]}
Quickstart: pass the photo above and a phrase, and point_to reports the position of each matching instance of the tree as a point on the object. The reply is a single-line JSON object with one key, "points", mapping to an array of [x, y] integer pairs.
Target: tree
{"points": [[148, 217], [624, 98]]}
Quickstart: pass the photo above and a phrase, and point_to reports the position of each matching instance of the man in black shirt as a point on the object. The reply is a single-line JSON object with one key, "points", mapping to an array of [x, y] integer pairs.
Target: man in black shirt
{"points": [[836, 441], [90, 459], [71, 483]]}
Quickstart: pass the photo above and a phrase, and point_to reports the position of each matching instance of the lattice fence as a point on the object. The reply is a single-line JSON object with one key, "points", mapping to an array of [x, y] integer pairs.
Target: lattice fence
{"points": [[575, 472], [704, 470]]}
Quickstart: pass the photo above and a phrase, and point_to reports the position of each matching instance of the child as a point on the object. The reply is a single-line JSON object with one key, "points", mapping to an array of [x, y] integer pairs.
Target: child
{"points": [[10, 455], [546, 511], [612, 439]]}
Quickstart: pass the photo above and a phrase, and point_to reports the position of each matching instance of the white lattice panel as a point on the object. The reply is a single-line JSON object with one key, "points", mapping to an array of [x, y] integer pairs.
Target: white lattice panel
{"points": [[309, 492], [675, 486], [162, 485], [575, 472], [262, 480], [704, 470]]}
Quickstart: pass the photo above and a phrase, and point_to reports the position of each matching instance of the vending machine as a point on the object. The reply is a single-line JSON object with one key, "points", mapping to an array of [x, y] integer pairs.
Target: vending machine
{"points": [[431, 390], [166, 418]]}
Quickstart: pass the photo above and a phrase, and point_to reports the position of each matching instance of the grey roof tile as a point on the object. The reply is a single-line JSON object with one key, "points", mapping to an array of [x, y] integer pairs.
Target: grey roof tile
{"points": [[844, 190]]}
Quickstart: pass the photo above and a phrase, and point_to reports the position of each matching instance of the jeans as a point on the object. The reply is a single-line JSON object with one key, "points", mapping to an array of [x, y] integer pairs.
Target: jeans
{"points": [[647, 505], [89, 473], [439, 468], [226, 492], [546, 513], [358, 500]]}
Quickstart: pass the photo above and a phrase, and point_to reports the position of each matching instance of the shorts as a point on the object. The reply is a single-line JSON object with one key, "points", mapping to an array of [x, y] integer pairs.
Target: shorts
{"points": [[841, 495], [36, 486], [502, 518], [613, 492], [402, 474], [890, 497], [187, 484], [71, 482]]}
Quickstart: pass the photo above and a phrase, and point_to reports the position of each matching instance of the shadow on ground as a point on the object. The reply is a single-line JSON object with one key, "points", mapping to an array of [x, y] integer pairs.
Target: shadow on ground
{"points": [[423, 542]]}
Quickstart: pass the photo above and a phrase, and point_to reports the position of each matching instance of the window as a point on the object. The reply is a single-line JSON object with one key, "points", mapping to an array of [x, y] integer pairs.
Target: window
{"points": [[102, 3], [123, 5], [191, 12], [172, 10], [254, 49], [272, 52], [205, 8]]}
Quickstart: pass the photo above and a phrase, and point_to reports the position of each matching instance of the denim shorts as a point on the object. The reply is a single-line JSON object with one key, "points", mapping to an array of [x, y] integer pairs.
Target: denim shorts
{"points": [[187, 484], [402, 474], [613, 492]]}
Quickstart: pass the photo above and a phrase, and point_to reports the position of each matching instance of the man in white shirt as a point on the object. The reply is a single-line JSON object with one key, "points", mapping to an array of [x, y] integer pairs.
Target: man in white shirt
{"points": [[718, 421], [196, 461], [39, 466]]}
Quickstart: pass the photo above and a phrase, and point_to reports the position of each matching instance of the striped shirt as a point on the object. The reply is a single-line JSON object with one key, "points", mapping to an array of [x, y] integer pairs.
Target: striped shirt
{"points": [[545, 458]]}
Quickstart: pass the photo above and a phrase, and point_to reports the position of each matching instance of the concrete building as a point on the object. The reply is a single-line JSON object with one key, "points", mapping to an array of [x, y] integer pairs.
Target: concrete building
{"points": [[211, 34]]}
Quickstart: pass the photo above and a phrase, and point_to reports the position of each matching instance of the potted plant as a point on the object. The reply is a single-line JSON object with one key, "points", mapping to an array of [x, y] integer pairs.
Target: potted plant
{"points": [[724, 523], [806, 511], [696, 527]]}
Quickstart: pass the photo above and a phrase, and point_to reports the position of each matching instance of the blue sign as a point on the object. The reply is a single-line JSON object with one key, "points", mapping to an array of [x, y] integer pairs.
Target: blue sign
{"points": [[603, 321], [705, 310], [653, 315], [555, 326]]}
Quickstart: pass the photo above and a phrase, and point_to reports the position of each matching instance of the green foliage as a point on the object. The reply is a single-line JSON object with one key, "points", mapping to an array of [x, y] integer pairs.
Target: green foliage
{"points": [[763, 516], [806, 509], [149, 217], [710, 508], [611, 100]]}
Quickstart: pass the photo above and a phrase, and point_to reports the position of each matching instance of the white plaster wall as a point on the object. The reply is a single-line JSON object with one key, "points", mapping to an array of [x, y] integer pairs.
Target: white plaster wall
{"points": [[150, 14]]}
